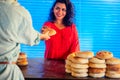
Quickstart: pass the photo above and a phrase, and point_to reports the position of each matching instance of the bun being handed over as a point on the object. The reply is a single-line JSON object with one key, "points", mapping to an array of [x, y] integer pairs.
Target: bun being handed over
{"points": [[46, 29]]}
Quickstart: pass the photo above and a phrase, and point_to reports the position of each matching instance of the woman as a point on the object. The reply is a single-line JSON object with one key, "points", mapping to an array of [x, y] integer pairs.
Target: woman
{"points": [[15, 28], [66, 40]]}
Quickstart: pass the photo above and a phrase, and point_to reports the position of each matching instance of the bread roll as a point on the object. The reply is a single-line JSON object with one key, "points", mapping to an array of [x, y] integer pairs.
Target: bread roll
{"points": [[70, 56], [74, 74], [23, 63], [96, 70], [96, 60], [84, 54], [113, 66], [104, 55], [68, 62], [112, 75], [22, 55], [113, 60], [93, 65], [79, 60], [46, 29], [79, 70], [96, 75], [74, 65]]}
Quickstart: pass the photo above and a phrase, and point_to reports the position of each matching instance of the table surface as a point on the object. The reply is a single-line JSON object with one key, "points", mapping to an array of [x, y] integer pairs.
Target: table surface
{"points": [[40, 69]]}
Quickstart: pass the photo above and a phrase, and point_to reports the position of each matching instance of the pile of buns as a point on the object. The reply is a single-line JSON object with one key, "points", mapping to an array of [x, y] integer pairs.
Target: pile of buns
{"points": [[77, 63], [22, 59], [83, 64]]}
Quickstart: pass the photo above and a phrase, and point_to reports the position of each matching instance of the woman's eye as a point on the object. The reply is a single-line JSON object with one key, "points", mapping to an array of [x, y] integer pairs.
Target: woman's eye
{"points": [[57, 8], [64, 10]]}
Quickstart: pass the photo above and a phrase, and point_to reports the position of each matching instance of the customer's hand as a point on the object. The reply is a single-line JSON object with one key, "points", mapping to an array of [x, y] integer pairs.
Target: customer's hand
{"points": [[45, 36]]}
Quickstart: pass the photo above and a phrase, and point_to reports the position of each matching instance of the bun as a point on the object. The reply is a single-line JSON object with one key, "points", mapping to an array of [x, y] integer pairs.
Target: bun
{"points": [[113, 61], [97, 70], [22, 59], [109, 66], [74, 65], [70, 56], [93, 65], [79, 70], [97, 75], [96, 60], [68, 62], [46, 29], [84, 54], [79, 60], [23, 63], [104, 55], [79, 74], [112, 74], [22, 55]]}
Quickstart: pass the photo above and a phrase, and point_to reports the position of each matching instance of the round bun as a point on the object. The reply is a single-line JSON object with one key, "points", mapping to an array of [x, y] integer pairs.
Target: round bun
{"points": [[79, 70], [104, 55], [79, 60], [97, 70], [75, 65], [22, 55], [67, 70], [84, 54], [46, 29], [93, 65], [97, 75], [112, 69], [110, 66], [74, 74], [113, 61], [22, 59], [112, 75], [25, 63], [96, 60], [70, 56], [68, 62]]}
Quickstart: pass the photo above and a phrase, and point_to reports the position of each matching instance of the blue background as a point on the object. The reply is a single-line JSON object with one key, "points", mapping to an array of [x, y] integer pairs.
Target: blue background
{"points": [[97, 21]]}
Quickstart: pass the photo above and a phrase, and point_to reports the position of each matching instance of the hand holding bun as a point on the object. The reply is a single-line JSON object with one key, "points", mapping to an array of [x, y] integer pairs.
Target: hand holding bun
{"points": [[46, 29]]}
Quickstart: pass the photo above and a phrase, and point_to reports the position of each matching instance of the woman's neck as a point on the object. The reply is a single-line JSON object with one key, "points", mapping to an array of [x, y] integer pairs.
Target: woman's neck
{"points": [[59, 24]]}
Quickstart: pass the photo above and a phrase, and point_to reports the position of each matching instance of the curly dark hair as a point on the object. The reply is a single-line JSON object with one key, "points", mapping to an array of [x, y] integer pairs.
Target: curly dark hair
{"points": [[68, 19]]}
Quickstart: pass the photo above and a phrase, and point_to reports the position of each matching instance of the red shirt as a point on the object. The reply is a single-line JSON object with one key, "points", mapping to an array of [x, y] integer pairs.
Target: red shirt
{"points": [[64, 42]]}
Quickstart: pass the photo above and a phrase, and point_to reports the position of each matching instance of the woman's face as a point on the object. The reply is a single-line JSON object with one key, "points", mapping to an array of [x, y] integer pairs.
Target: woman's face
{"points": [[59, 11]]}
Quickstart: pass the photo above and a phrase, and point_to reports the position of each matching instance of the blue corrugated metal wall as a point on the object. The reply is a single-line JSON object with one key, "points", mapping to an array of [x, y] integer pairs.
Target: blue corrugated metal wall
{"points": [[97, 23]]}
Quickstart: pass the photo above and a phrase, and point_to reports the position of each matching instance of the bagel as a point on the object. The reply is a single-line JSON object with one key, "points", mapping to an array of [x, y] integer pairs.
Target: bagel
{"points": [[84, 54], [104, 54]]}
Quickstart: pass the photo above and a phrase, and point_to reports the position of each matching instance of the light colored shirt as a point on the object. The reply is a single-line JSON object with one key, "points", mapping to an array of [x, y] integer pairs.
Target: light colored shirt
{"points": [[15, 29]]}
